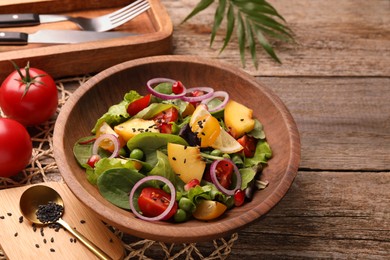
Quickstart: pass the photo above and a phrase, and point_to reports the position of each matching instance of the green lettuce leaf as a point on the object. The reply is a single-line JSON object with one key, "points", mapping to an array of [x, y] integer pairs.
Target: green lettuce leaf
{"points": [[115, 185], [117, 113], [262, 154], [105, 164]]}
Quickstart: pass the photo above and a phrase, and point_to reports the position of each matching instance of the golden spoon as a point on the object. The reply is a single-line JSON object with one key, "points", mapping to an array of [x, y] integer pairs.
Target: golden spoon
{"points": [[39, 196]]}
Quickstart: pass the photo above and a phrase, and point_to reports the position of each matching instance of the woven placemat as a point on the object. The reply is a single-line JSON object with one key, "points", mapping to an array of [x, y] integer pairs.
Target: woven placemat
{"points": [[43, 168]]}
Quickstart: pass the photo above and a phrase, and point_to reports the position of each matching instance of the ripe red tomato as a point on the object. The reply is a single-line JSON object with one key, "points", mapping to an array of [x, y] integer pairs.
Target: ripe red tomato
{"points": [[162, 120], [224, 172], [137, 105], [249, 144], [153, 201], [15, 147], [29, 96]]}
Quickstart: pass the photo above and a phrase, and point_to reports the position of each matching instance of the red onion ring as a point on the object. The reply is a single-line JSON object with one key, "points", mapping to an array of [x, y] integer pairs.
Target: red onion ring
{"points": [[161, 95], [209, 93], [214, 179], [153, 178], [103, 137], [217, 94]]}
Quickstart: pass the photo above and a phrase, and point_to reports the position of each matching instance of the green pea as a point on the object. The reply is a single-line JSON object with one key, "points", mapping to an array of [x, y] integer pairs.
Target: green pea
{"points": [[180, 216], [226, 156], [137, 154], [186, 204], [216, 152]]}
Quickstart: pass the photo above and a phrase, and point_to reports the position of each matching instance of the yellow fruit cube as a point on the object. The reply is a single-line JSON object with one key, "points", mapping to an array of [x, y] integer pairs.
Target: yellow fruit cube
{"points": [[135, 126], [238, 119], [186, 161]]}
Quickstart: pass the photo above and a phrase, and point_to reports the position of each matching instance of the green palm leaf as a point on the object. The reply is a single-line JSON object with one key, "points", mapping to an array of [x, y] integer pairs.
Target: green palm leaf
{"points": [[200, 7], [219, 14], [230, 26], [255, 22]]}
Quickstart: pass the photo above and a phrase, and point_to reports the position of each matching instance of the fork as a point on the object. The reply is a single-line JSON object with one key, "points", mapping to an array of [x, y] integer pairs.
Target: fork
{"points": [[99, 24]]}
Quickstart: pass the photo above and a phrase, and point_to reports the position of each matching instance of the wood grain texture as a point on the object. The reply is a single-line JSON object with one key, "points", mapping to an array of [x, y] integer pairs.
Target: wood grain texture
{"points": [[108, 88], [334, 38], [332, 215], [344, 123], [13, 232], [56, 6], [335, 82], [152, 29]]}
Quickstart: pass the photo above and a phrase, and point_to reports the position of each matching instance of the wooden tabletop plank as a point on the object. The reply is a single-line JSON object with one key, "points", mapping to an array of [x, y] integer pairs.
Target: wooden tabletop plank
{"points": [[334, 215], [334, 38], [335, 82], [344, 123]]}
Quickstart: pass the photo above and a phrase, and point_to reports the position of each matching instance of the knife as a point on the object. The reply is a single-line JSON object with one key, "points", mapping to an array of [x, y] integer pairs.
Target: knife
{"points": [[16, 20], [57, 36]]}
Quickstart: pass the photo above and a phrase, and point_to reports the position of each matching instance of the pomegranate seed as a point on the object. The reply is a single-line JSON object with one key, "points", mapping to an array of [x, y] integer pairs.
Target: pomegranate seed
{"points": [[239, 197], [177, 87], [93, 160]]}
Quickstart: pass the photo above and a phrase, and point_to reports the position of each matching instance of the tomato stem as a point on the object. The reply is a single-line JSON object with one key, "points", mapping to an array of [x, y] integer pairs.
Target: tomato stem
{"points": [[27, 79]]}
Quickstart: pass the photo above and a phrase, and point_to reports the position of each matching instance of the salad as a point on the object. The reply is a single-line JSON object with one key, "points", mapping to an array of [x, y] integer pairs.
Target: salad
{"points": [[176, 153]]}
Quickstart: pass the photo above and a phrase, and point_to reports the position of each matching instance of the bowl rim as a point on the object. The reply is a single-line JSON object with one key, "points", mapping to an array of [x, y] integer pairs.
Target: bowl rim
{"points": [[161, 232]]}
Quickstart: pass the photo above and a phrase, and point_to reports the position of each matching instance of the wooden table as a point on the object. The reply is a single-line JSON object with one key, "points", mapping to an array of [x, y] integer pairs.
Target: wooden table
{"points": [[336, 83]]}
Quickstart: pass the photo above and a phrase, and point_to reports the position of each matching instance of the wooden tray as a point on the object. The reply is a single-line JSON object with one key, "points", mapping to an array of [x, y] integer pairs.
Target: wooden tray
{"points": [[153, 31], [18, 240]]}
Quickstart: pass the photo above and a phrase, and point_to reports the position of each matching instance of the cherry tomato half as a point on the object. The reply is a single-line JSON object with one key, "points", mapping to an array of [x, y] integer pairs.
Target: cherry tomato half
{"points": [[249, 144], [137, 105], [15, 147], [31, 99], [164, 118], [224, 172], [153, 201]]}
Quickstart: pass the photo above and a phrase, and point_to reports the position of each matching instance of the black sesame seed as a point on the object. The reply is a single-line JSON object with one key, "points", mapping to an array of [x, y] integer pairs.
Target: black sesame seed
{"points": [[52, 250], [9, 214], [82, 221], [21, 219], [50, 212], [71, 240], [2, 217], [52, 240], [185, 160], [174, 158], [74, 240], [44, 240], [111, 240], [36, 245], [16, 234]]}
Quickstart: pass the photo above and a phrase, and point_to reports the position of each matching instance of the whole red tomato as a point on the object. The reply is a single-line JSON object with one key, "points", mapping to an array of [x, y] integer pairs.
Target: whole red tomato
{"points": [[29, 96], [15, 147]]}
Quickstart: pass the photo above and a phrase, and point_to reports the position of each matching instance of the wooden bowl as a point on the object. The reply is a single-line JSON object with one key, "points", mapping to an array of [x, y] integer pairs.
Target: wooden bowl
{"points": [[92, 99]]}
